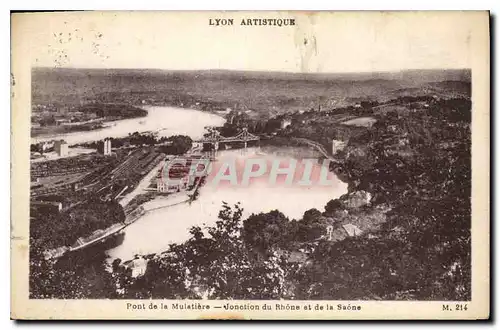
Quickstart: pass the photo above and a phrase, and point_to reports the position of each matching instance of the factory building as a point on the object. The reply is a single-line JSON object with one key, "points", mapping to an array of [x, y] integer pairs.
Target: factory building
{"points": [[104, 147], [61, 148]]}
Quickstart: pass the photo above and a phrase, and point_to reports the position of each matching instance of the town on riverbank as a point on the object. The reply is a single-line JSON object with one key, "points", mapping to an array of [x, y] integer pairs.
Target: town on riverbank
{"points": [[403, 218]]}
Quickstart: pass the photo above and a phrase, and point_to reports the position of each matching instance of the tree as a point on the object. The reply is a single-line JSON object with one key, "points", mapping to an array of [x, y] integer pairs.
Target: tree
{"points": [[333, 205], [311, 216], [72, 276], [311, 226], [264, 232], [179, 145], [68, 278], [215, 264]]}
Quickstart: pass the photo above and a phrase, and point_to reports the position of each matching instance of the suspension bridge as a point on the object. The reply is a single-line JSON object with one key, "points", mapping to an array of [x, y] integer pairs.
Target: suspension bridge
{"points": [[214, 139]]}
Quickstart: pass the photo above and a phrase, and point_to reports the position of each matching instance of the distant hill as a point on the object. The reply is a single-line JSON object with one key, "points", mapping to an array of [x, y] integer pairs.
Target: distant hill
{"points": [[219, 89], [443, 89]]}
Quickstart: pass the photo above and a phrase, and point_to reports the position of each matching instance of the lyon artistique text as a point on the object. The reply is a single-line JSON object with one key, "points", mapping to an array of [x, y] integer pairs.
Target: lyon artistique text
{"points": [[251, 21]]}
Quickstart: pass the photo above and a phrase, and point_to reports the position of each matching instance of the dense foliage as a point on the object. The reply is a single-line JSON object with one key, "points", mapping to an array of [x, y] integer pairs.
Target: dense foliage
{"points": [[113, 110], [77, 275], [72, 278], [415, 164], [214, 263], [177, 145], [51, 229], [418, 163], [172, 145]]}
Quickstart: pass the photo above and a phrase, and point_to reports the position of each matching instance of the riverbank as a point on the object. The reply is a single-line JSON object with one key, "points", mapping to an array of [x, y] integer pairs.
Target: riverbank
{"points": [[162, 121], [164, 226], [62, 119], [337, 161], [145, 201], [392, 236]]}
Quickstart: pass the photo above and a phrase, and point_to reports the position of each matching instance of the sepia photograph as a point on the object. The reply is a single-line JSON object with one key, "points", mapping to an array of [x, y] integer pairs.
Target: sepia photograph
{"points": [[250, 162]]}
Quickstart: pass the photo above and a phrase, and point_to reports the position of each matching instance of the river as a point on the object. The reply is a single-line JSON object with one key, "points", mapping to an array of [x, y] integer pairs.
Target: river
{"points": [[165, 121], [157, 229], [154, 231]]}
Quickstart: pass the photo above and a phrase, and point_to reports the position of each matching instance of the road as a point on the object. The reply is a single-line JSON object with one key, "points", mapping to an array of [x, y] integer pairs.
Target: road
{"points": [[143, 184], [318, 147]]}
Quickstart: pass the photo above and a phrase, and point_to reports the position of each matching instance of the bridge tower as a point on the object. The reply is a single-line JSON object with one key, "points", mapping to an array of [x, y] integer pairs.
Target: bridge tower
{"points": [[245, 137], [214, 139]]}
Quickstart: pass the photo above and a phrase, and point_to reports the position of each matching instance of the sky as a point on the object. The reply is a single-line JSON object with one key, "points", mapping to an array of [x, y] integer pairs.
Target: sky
{"points": [[319, 42]]}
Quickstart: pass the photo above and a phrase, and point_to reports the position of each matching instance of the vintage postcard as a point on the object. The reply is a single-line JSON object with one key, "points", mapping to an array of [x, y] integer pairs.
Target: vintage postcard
{"points": [[250, 165]]}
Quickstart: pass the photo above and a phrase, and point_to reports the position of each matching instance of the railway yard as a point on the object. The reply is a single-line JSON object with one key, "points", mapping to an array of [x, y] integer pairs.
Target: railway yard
{"points": [[106, 177], [60, 187]]}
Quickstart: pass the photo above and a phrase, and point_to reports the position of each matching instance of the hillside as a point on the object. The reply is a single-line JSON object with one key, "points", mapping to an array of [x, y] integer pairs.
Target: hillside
{"points": [[442, 89], [264, 92], [408, 169]]}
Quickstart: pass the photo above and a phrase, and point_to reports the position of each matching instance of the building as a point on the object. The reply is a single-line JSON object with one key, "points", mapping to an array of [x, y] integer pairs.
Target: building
{"points": [[136, 267], [357, 199], [341, 233], [76, 186], [336, 234], [62, 121], [337, 145], [45, 207], [285, 123], [104, 147], [161, 185], [45, 146], [171, 186], [61, 148], [55, 253], [352, 230]]}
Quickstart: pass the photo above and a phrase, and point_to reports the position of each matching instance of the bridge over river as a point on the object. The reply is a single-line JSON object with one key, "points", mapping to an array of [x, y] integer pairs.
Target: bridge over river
{"points": [[214, 139]]}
